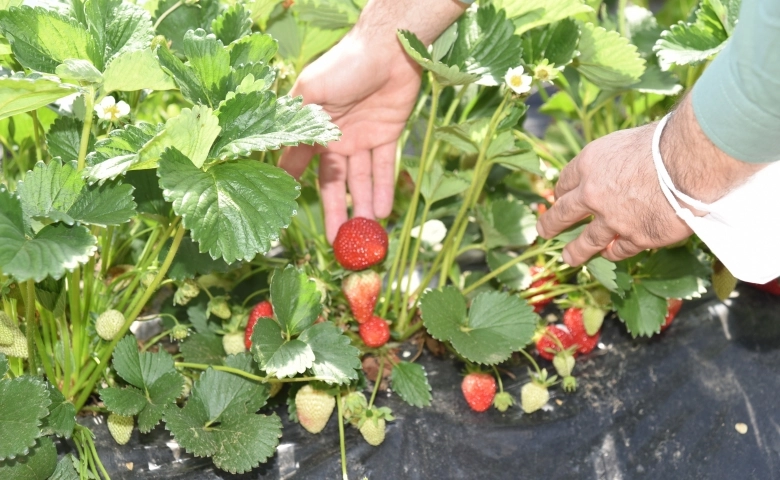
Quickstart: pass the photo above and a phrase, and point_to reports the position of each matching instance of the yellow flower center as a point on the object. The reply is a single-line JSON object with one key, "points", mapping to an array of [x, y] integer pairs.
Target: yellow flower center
{"points": [[516, 81], [113, 112], [542, 74]]}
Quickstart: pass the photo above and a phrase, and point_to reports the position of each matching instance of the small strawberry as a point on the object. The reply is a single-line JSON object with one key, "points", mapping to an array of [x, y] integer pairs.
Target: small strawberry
{"points": [[569, 384], [186, 292], [564, 363], [672, 307], [219, 307], [723, 282], [360, 243], [120, 427], [263, 309], [354, 404], [314, 408], [18, 345], [109, 323], [372, 425], [362, 290], [147, 279], [6, 331], [180, 332], [479, 390], [375, 332], [772, 287], [572, 318], [503, 401], [540, 304], [547, 347], [233, 343], [534, 394]]}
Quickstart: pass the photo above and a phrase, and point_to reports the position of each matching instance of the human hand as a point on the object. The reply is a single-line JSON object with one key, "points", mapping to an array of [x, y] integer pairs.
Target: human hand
{"points": [[614, 179]]}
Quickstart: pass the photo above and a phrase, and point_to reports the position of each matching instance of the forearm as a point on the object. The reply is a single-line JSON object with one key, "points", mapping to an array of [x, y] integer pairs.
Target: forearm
{"points": [[737, 100], [381, 19]]}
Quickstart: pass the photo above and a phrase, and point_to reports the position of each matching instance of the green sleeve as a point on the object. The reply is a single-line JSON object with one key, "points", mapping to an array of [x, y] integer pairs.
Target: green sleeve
{"points": [[737, 99]]}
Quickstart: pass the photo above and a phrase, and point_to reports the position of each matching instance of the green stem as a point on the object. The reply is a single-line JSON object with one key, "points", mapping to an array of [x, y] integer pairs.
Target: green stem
{"points": [[236, 371], [167, 12], [342, 442], [377, 382], [37, 135], [498, 377], [530, 253], [89, 101], [154, 340], [531, 359], [29, 316]]}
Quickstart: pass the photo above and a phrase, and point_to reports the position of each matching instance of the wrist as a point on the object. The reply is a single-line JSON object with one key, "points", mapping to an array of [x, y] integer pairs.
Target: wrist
{"points": [[696, 166]]}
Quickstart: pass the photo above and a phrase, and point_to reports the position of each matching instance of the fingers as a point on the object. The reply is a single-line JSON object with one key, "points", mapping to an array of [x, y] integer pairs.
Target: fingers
{"points": [[568, 180], [591, 241], [620, 249], [360, 184], [295, 159], [566, 211], [333, 188], [383, 165]]}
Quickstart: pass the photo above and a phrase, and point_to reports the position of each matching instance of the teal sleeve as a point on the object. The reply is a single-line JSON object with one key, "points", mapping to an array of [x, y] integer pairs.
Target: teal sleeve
{"points": [[737, 99]]}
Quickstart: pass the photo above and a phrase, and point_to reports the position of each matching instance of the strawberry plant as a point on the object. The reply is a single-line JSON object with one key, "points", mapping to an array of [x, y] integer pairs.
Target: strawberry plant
{"points": [[139, 184]]}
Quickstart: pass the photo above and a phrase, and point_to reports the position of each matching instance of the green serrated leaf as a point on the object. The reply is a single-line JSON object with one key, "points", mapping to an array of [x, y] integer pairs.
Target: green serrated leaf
{"points": [[140, 369], [42, 39], [136, 70], [184, 18], [192, 133], [528, 14], [127, 401], [335, 359], [654, 81], [255, 48], [562, 46], [675, 273], [604, 271], [517, 277], [257, 121], [507, 223], [411, 383], [607, 59], [437, 184], [203, 348], [277, 355], [78, 71], [20, 93], [641, 311], [20, 425], [38, 464], [217, 422], [62, 415], [235, 209], [50, 252], [114, 155], [497, 323], [66, 469], [117, 27], [296, 300], [446, 75], [64, 139], [232, 24], [694, 42], [147, 193]]}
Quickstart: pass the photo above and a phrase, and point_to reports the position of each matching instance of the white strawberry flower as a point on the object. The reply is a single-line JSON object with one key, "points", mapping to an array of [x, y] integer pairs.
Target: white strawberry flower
{"points": [[433, 232], [544, 72], [518, 82], [109, 109]]}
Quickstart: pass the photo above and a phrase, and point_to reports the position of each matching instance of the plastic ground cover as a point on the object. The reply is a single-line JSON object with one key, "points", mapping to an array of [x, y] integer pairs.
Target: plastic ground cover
{"points": [[664, 408]]}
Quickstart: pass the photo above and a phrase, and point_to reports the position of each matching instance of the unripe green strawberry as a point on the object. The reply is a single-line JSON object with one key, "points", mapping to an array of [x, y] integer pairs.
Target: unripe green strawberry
{"points": [[314, 408], [233, 343], [723, 282], [533, 396], [18, 346], [563, 362], [120, 427], [373, 431], [503, 401], [219, 307], [354, 404], [275, 389], [180, 332], [6, 332], [569, 384], [321, 288], [147, 279], [186, 292], [109, 323]]}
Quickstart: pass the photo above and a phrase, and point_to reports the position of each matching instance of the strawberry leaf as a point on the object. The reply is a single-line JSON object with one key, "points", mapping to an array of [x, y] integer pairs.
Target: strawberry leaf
{"points": [[255, 48], [437, 184], [335, 359], [117, 27], [604, 271], [183, 18], [123, 401], [115, 155], [203, 348], [496, 325], [607, 59], [641, 311], [64, 139], [277, 355], [693, 42], [232, 24], [296, 300], [191, 132], [530, 14], [219, 421], [26, 403], [675, 273], [235, 209], [20, 93], [507, 223], [517, 277], [25, 255], [38, 464], [136, 70], [66, 469], [411, 382], [62, 415]]}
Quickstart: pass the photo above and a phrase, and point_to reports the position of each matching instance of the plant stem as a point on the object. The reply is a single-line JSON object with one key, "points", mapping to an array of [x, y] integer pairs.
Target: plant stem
{"points": [[29, 316], [342, 442], [530, 253], [89, 101], [236, 371], [167, 12], [498, 377], [377, 382], [531, 359]]}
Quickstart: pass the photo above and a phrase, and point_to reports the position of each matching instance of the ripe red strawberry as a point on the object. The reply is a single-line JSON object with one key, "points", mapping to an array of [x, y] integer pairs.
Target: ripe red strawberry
{"points": [[572, 318], [540, 304], [479, 389], [362, 290], [547, 347], [673, 306], [772, 287], [360, 243], [375, 332], [263, 309]]}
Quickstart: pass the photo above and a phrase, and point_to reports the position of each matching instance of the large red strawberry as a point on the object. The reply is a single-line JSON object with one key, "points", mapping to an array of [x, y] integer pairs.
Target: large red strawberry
{"points": [[375, 332], [548, 347], [772, 287], [479, 389], [672, 307], [540, 304], [263, 309], [362, 290], [360, 243], [572, 318]]}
